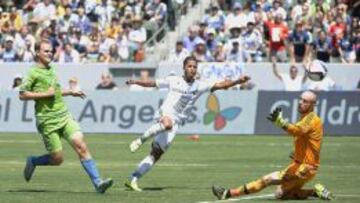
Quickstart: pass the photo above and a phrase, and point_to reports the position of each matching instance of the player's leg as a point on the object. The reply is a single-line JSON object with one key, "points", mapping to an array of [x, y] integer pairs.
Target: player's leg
{"points": [[160, 145], [293, 181], [76, 139], [249, 188], [53, 157], [165, 123], [319, 191]]}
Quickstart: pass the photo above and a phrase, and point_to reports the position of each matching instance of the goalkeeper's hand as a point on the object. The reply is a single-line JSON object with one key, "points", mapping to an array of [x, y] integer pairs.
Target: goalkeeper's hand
{"points": [[276, 117]]}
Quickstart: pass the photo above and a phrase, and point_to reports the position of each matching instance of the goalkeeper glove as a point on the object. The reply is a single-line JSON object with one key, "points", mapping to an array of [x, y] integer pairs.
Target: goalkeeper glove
{"points": [[276, 117]]}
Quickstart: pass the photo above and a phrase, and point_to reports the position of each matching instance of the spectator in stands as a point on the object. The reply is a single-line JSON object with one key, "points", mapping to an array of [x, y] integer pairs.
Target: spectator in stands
{"points": [[15, 19], [27, 55], [305, 14], [114, 56], [320, 22], [114, 28], [21, 38], [69, 19], [358, 86], [144, 76], [337, 31], [9, 54], [356, 40], [80, 42], [74, 84], [123, 46], [219, 54], [236, 19], [236, 54], [347, 51], [278, 33], [300, 40], [322, 47], [155, 14], [234, 36], [297, 10], [104, 46], [92, 53], [292, 81], [156, 11], [137, 35], [202, 31], [68, 54], [319, 6], [43, 11], [83, 21], [252, 40], [106, 83], [215, 19], [201, 53], [103, 11], [211, 40], [17, 82], [278, 10], [179, 53], [191, 39]]}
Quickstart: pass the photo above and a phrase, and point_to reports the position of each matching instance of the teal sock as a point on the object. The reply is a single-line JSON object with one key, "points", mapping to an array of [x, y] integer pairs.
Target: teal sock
{"points": [[41, 160], [91, 169]]}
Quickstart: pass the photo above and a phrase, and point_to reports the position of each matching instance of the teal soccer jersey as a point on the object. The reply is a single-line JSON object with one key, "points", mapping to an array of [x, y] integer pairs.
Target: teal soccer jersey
{"points": [[40, 80], [53, 120]]}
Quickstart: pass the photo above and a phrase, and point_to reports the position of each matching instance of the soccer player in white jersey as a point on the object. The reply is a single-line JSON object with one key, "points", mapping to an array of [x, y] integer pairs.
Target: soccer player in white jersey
{"points": [[183, 92]]}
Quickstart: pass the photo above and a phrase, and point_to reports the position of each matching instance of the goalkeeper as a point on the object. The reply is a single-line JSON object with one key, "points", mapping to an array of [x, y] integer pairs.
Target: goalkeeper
{"points": [[307, 134]]}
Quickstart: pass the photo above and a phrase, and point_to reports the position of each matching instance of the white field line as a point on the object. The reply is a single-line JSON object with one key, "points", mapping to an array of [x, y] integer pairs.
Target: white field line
{"points": [[239, 199], [267, 196]]}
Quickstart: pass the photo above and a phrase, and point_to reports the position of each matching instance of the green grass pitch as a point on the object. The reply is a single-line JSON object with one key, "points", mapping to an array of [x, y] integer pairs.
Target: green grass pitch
{"points": [[184, 174]]}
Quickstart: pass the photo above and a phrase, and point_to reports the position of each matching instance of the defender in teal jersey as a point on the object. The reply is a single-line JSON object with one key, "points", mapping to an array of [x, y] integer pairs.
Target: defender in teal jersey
{"points": [[53, 119]]}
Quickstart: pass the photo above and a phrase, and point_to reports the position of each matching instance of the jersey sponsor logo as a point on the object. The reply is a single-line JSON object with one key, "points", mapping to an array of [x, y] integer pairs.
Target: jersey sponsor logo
{"points": [[219, 117]]}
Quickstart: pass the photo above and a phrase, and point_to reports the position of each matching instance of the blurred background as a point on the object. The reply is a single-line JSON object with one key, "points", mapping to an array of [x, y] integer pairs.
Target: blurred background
{"points": [[98, 44]]}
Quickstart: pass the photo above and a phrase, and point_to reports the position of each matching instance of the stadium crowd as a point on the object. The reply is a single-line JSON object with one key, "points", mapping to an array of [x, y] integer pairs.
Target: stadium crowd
{"points": [[81, 30], [290, 30]]}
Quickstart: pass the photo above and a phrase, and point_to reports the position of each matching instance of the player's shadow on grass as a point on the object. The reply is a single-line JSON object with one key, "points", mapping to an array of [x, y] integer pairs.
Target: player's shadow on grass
{"points": [[44, 191], [160, 188], [165, 188]]}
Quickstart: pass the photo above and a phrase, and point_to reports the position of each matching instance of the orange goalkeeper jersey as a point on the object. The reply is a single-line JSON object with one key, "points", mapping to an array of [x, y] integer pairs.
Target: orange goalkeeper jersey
{"points": [[308, 134]]}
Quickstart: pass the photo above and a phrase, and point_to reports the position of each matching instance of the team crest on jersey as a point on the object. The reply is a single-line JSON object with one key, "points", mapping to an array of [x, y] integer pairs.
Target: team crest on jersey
{"points": [[218, 116]]}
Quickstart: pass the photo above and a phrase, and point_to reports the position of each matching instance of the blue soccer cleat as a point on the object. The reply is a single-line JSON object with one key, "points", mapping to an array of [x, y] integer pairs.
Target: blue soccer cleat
{"points": [[104, 185], [29, 169]]}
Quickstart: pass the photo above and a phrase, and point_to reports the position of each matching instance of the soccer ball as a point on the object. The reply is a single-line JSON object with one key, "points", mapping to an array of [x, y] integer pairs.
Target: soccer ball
{"points": [[316, 70]]}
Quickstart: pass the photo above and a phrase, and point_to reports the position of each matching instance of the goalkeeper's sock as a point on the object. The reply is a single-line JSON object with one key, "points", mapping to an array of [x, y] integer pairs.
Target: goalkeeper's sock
{"points": [[42, 160], [144, 166], [91, 169], [249, 188], [153, 130]]}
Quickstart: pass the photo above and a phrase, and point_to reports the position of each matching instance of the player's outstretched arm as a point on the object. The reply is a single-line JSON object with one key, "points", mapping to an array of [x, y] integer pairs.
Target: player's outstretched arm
{"points": [[28, 95], [148, 83], [74, 93], [229, 83]]}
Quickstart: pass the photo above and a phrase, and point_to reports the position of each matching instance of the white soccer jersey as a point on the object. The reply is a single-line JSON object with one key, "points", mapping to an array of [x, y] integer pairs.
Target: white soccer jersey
{"points": [[181, 96]]}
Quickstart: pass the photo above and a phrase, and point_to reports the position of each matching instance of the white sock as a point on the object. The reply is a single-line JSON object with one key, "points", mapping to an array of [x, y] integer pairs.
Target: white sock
{"points": [[144, 166], [153, 130]]}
